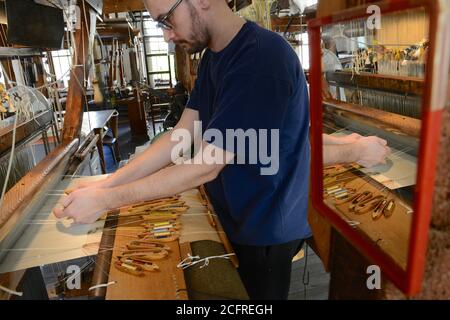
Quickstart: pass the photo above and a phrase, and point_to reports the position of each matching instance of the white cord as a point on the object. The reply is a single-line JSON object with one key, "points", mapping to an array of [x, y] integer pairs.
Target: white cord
{"points": [[193, 260], [11, 291], [102, 285]]}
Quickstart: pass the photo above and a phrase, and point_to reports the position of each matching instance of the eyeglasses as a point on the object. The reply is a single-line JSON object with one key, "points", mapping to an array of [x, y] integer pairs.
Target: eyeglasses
{"points": [[162, 22]]}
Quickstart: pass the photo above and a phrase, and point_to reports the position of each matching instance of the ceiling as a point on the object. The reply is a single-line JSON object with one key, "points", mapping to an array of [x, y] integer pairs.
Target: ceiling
{"points": [[113, 6]]}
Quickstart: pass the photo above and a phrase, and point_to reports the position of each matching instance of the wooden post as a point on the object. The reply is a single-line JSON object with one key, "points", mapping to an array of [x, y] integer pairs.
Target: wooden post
{"points": [[111, 67], [320, 227], [40, 75], [114, 63], [75, 98], [6, 62], [122, 75], [135, 76], [182, 63]]}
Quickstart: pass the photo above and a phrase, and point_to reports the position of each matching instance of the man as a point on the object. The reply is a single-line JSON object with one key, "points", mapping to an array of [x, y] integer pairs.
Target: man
{"points": [[331, 63], [249, 78]]}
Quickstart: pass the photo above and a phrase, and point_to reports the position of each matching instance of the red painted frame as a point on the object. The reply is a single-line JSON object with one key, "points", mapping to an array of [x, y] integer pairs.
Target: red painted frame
{"points": [[409, 280]]}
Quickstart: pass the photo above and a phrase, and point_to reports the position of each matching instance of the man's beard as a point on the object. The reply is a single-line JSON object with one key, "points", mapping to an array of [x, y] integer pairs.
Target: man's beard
{"points": [[199, 37]]}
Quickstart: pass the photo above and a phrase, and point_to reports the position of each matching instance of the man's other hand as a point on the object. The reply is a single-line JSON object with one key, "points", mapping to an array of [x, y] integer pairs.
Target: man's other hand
{"points": [[84, 205], [371, 151]]}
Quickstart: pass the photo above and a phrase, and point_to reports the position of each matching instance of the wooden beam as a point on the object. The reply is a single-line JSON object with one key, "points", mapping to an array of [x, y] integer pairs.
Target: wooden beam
{"points": [[120, 31], [19, 52], [73, 117], [111, 64], [394, 84], [121, 69], [104, 257], [407, 125], [24, 130], [40, 82], [297, 24], [30, 192], [97, 5]]}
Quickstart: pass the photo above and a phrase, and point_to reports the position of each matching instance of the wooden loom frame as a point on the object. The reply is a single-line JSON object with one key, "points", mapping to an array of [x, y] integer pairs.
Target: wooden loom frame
{"points": [[409, 280], [28, 194]]}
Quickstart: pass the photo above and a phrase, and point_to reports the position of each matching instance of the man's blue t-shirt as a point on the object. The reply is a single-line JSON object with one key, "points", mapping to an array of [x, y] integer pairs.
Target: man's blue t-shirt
{"points": [[256, 82]]}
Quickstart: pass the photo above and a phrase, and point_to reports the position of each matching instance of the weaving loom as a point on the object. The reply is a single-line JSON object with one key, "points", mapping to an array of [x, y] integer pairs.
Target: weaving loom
{"points": [[39, 239], [46, 240], [35, 171]]}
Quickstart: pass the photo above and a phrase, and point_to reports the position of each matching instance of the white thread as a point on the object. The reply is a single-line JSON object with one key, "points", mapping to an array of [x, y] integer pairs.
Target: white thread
{"points": [[193, 260], [11, 291], [102, 285]]}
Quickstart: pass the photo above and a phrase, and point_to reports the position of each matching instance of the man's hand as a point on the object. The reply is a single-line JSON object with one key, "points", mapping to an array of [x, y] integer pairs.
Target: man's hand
{"points": [[371, 151], [101, 183], [83, 205]]}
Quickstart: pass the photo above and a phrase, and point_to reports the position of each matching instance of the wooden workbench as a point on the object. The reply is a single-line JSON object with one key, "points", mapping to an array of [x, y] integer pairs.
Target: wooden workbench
{"points": [[169, 282]]}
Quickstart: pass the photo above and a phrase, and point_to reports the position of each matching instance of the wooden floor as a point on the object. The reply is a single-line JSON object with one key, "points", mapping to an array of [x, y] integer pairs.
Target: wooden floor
{"points": [[314, 288]]}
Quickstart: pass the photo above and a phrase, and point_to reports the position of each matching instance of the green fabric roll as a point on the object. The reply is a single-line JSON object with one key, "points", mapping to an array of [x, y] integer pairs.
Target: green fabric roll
{"points": [[219, 280]]}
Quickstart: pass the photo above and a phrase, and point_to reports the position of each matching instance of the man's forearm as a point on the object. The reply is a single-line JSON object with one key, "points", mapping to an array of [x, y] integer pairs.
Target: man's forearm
{"points": [[166, 182], [345, 153], [158, 155], [155, 157], [328, 139]]}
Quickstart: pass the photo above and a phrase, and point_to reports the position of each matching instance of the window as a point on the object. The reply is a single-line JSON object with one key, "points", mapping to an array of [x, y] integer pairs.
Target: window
{"points": [[303, 49], [302, 38], [159, 61], [61, 61]]}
